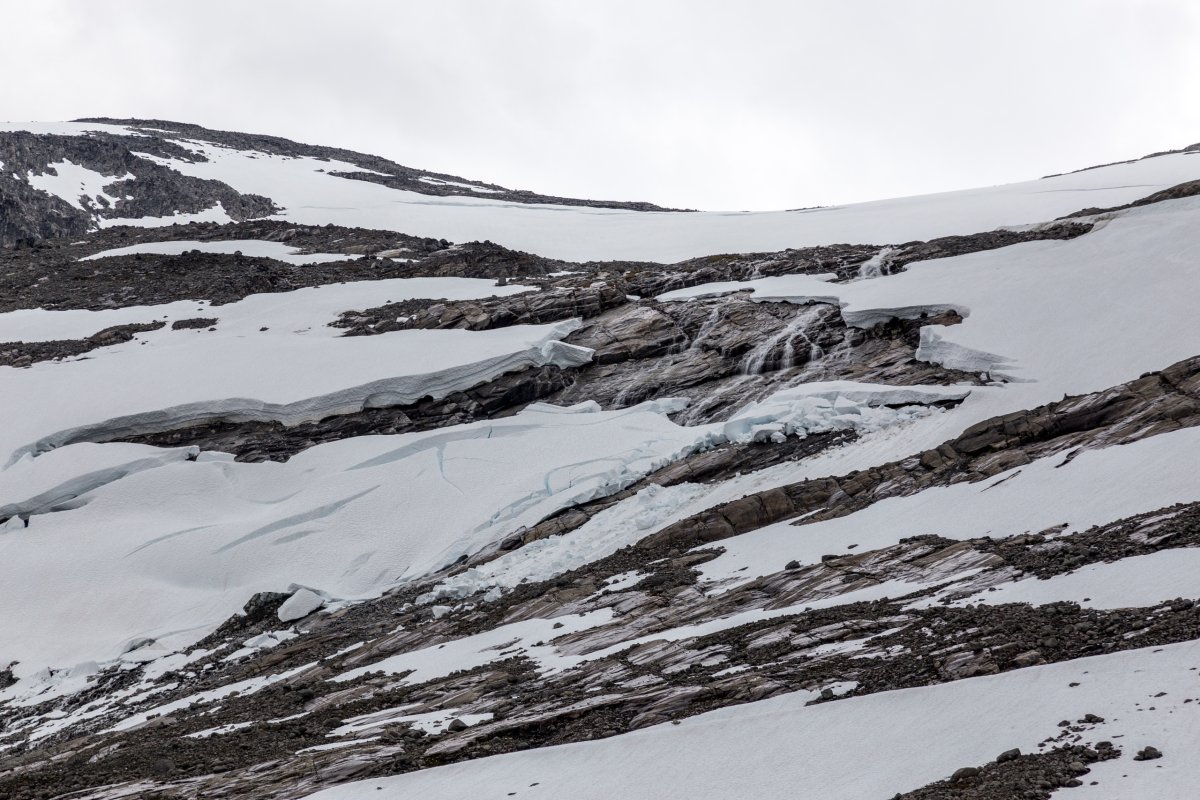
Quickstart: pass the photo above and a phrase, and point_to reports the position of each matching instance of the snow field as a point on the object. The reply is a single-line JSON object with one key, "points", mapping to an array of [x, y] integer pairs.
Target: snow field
{"points": [[310, 194], [324, 508], [247, 247], [1096, 487], [342, 520], [1137, 581], [347, 519], [305, 311], [295, 368], [870, 746], [623, 524]]}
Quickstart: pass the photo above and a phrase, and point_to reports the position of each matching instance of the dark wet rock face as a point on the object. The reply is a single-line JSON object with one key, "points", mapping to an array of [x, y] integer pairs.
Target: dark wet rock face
{"points": [[724, 353], [642, 352]]}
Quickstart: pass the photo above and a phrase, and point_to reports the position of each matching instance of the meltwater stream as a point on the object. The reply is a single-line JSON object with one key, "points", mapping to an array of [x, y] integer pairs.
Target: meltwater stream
{"points": [[756, 360]]}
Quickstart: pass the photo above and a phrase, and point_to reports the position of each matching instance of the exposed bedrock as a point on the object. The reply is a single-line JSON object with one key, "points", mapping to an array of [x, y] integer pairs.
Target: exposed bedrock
{"points": [[1046, 555], [154, 191], [1030, 776], [53, 277], [160, 134], [624, 684], [28, 216], [721, 354], [845, 261], [530, 308], [838, 652], [23, 354], [1188, 189], [397, 391], [274, 441]]}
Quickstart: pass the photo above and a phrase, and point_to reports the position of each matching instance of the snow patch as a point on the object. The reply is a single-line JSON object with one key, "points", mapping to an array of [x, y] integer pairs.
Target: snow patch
{"points": [[302, 603], [81, 187], [604, 534], [834, 405], [247, 247]]}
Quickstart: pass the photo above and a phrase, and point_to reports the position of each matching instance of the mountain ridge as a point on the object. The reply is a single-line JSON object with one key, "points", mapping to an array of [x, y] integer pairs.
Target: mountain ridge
{"points": [[378, 493]]}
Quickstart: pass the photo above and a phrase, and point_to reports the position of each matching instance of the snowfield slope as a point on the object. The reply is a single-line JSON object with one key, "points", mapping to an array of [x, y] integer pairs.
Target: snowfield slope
{"points": [[317, 186], [324, 476]]}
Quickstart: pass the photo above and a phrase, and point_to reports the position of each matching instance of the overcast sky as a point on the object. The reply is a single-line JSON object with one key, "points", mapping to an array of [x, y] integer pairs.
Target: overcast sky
{"points": [[742, 104]]}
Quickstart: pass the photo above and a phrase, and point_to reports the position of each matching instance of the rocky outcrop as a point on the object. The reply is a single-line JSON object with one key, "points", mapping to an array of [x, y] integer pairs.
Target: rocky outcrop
{"points": [[155, 191], [1033, 776], [1177, 192], [24, 354], [725, 353], [879, 646], [28, 216], [949, 246], [193, 323], [393, 175], [844, 261], [1047, 554], [273, 441], [722, 355], [533, 308], [53, 276]]}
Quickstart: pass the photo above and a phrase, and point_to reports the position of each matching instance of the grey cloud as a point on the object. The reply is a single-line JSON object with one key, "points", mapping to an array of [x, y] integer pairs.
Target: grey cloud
{"points": [[751, 104]]}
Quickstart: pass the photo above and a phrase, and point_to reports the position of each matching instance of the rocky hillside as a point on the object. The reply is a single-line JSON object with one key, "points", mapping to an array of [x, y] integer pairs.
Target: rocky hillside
{"points": [[326, 477], [121, 170]]}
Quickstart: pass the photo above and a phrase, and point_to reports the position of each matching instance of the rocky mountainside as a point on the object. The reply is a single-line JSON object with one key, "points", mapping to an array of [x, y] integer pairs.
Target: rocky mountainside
{"points": [[120, 170], [326, 477]]}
